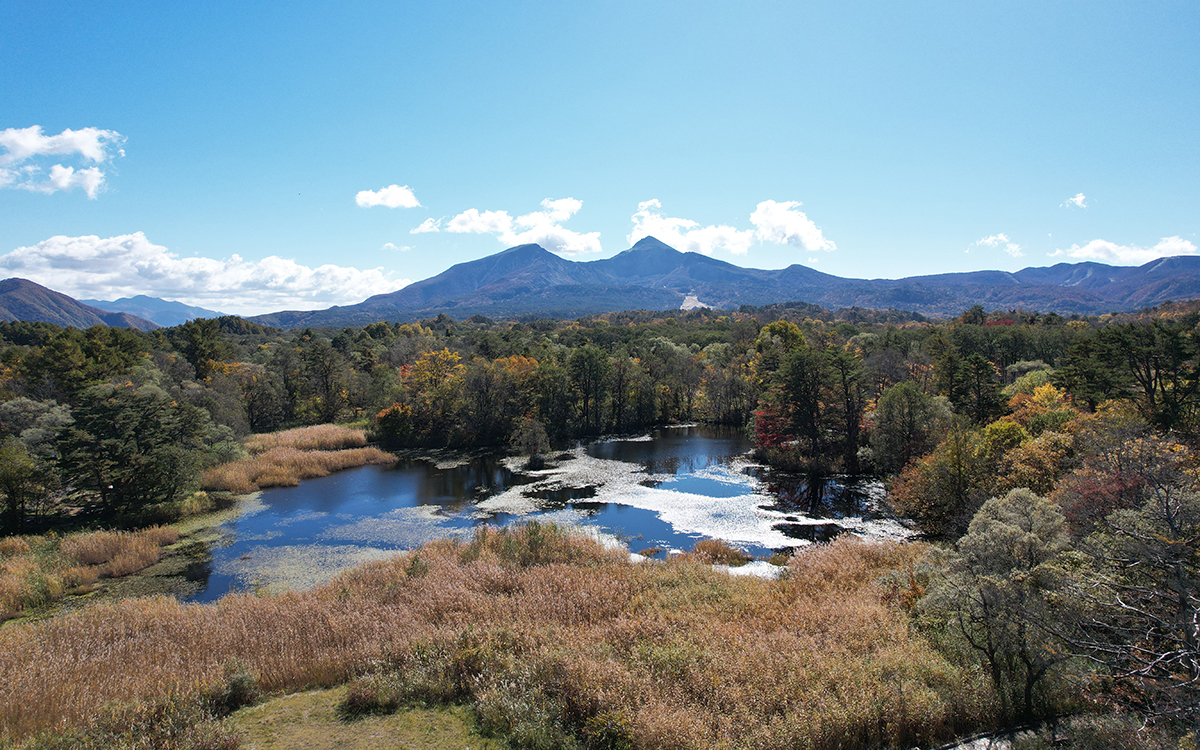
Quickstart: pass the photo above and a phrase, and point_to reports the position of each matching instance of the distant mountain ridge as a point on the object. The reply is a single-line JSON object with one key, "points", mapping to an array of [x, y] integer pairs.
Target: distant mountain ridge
{"points": [[529, 280], [164, 312], [21, 299]]}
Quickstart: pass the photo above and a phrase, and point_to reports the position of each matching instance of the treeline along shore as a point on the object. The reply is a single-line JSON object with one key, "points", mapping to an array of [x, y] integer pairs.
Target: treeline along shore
{"points": [[1050, 464]]}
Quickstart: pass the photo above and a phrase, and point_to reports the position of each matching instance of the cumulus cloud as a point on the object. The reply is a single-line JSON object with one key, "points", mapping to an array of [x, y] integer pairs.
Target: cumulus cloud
{"points": [[123, 266], [25, 162], [1079, 201], [1000, 240], [391, 247], [429, 225], [686, 235], [538, 227], [775, 222], [781, 223], [392, 196], [1110, 252]]}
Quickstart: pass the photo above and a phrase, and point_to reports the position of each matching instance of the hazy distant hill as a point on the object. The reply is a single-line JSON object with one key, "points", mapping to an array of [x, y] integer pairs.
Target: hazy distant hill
{"points": [[24, 300], [529, 280], [162, 311]]}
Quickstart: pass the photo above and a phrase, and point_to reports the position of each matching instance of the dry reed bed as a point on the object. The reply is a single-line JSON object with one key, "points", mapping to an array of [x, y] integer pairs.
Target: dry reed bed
{"points": [[39, 570], [673, 655], [282, 459], [322, 437], [285, 467]]}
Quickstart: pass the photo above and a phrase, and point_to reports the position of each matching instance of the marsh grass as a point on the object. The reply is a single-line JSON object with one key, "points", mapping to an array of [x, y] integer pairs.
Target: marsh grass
{"points": [[282, 459], [716, 552], [39, 570], [175, 722], [322, 437], [552, 639]]}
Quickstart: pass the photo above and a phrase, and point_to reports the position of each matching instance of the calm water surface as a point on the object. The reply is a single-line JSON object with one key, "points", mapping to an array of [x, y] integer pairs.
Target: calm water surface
{"points": [[662, 491]]}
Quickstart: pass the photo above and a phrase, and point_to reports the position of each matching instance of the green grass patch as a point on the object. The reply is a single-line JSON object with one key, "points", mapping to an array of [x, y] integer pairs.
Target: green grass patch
{"points": [[312, 720]]}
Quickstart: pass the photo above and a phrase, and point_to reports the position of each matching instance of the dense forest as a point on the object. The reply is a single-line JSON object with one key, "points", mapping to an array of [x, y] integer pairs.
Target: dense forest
{"points": [[1052, 460]]}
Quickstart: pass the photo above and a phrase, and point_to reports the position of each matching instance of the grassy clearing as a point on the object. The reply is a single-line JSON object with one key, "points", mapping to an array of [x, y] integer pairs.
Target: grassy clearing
{"points": [[311, 720], [552, 640], [282, 459], [38, 570]]}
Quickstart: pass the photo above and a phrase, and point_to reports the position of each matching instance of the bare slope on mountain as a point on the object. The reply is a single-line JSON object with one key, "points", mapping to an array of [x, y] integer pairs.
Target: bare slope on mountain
{"points": [[21, 299], [528, 280]]}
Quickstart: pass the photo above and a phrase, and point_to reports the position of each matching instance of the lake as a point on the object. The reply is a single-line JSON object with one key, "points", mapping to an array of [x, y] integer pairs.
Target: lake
{"points": [[654, 493]]}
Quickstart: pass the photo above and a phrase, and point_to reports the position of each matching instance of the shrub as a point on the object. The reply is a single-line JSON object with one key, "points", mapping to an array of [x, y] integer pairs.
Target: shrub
{"points": [[238, 688]]}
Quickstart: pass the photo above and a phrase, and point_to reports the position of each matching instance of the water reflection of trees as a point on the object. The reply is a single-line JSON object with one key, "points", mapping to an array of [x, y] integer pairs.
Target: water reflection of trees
{"points": [[819, 496]]}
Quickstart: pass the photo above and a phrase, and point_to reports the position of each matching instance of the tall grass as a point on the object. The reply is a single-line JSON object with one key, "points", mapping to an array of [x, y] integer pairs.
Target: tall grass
{"points": [[282, 459], [285, 467], [35, 571], [554, 640], [322, 437]]}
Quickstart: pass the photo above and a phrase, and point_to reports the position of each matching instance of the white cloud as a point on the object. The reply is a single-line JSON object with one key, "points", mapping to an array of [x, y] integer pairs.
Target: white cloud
{"points": [[392, 196], [429, 225], [391, 247], [472, 221], [686, 235], [1079, 201], [23, 164], [780, 223], [1111, 252], [775, 222], [106, 268], [538, 227], [1000, 240]]}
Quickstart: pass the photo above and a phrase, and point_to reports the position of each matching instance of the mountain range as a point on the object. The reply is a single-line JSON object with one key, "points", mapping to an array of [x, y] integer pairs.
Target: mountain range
{"points": [[24, 300], [164, 312], [528, 280]]}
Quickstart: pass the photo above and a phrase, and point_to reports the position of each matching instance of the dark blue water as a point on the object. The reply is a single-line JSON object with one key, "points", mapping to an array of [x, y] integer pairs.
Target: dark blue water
{"points": [[664, 492]]}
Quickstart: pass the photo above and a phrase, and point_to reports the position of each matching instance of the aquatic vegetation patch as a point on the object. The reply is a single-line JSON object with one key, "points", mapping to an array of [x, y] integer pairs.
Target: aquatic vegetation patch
{"points": [[402, 528], [300, 566]]}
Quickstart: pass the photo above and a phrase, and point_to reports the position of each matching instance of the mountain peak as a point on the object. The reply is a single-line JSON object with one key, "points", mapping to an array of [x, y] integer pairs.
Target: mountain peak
{"points": [[529, 251], [651, 243]]}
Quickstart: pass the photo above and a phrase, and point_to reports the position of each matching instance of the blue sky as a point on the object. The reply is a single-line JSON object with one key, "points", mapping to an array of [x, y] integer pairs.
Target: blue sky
{"points": [[240, 158]]}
